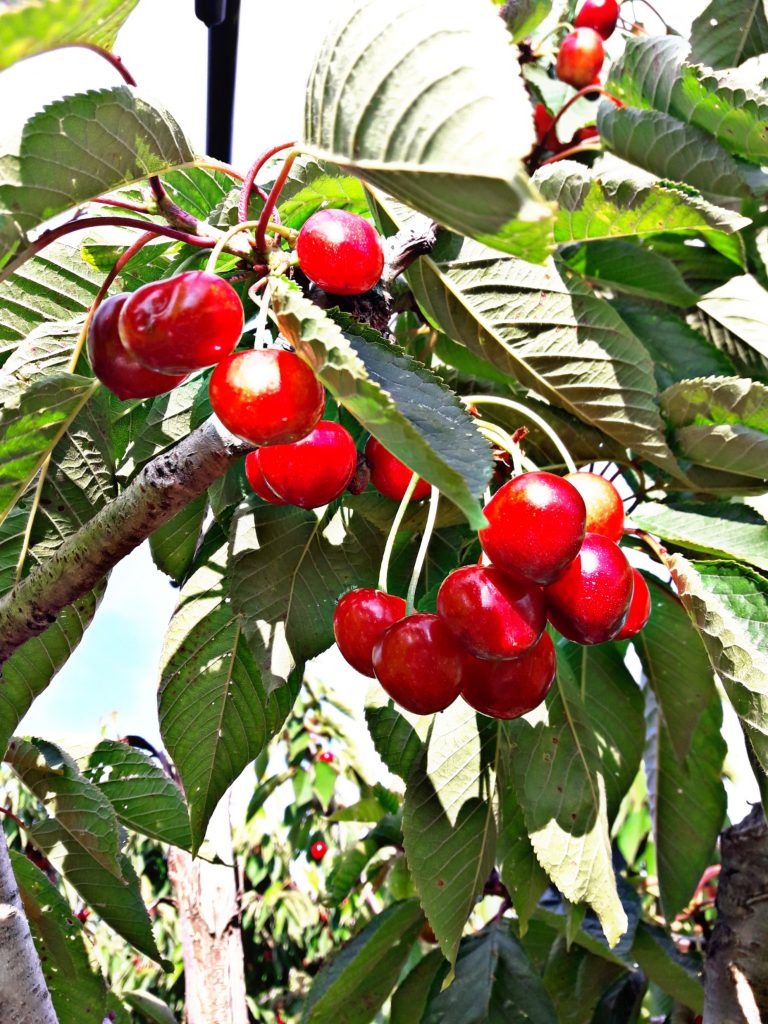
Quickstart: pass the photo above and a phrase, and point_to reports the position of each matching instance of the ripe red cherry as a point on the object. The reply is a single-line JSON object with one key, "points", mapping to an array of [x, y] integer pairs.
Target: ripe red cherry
{"points": [[420, 664], [340, 251], [314, 470], [493, 615], [326, 757], [580, 57], [256, 479], [114, 365], [360, 618], [590, 601], [605, 509], [639, 609], [389, 475], [318, 850], [183, 323], [536, 526], [600, 15], [509, 689], [266, 396]]}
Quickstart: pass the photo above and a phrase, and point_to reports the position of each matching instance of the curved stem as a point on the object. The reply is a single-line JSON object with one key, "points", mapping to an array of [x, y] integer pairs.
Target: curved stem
{"points": [[121, 204], [653, 9], [113, 59], [658, 549], [434, 500], [502, 440], [583, 147], [271, 203], [386, 558], [586, 91], [250, 179], [508, 403], [553, 31], [217, 165], [218, 248]]}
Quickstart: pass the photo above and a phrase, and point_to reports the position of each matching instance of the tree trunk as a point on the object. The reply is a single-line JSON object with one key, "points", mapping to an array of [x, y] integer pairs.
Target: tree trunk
{"points": [[209, 916], [736, 969], [24, 996]]}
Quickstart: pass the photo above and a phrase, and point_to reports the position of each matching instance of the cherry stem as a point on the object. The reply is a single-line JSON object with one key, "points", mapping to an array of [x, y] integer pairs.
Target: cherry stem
{"points": [[112, 59], [14, 818], [498, 436], [553, 31], [586, 91], [121, 204], [274, 195], [421, 556], [653, 9], [210, 267], [583, 147], [393, 531], [250, 179], [217, 165], [507, 403], [650, 542]]}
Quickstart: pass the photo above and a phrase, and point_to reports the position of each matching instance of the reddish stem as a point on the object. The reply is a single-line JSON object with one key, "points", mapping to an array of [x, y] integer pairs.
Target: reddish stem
{"points": [[572, 151], [269, 205], [250, 178], [650, 542], [112, 59], [586, 91], [121, 203], [14, 818]]}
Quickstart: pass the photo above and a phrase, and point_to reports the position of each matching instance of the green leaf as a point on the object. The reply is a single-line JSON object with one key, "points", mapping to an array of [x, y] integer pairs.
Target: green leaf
{"points": [[739, 306], [215, 714], [142, 795], [173, 546], [416, 113], [29, 27], [688, 802], [724, 530], [728, 32], [354, 985], [449, 830], [523, 16], [347, 868], [495, 981], [576, 980], [631, 269], [667, 642], [81, 810], [674, 972], [410, 998], [44, 172], [150, 1007], [78, 994], [402, 403], [634, 204], [396, 741], [171, 417], [561, 786], [521, 872]]}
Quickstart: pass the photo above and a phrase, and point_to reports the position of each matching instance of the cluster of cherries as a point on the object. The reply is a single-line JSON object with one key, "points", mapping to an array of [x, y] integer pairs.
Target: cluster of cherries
{"points": [[552, 547], [582, 53]]}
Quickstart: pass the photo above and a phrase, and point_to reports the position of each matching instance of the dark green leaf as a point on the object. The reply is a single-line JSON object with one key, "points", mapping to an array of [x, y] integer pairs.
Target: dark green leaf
{"points": [[575, 980], [677, 973], [628, 268], [409, 999], [173, 546], [523, 16], [728, 32], [397, 742], [151, 1008]]}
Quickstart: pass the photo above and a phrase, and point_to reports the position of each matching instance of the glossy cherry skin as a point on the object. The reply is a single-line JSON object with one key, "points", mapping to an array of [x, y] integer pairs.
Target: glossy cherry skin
{"points": [[389, 475], [509, 689], [318, 850], [314, 470], [605, 509], [266, 396], [600, 15], [340, 251], [536, 526], [360, 618], [639, 609], [589, 602], [580, 57], [255, 478], [114, 365], [492, 614], [183, 323], [420, 664], [326, 757]]}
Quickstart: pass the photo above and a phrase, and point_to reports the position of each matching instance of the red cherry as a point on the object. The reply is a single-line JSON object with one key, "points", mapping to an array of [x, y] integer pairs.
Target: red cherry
{"points": [[600, 15], [340, 251], [256, 479], [493, 615], [314, 470], [580, 57], [605, 509], [639, 609], [360, 618], [266, 396], [389, 475], [509, 689], [114, 365], [590, 601], [326, 757], [318, 850], [420, 664], [536, 526], [183, 323], [585, 135]]}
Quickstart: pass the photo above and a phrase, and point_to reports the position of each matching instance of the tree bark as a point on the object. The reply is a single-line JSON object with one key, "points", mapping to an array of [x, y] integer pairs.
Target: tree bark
{"points": [[24, 996], [736, 968], [208, 901]]}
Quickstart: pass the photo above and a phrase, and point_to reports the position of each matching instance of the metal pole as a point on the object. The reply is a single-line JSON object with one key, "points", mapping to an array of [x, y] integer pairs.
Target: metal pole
{"points": [[223, 20]]}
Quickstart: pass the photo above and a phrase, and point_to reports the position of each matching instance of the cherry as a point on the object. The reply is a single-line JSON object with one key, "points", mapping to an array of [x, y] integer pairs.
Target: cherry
{"points": [[340, 251], [493, 615], [600, 15], [314, 470], [318, 850], [590, 601], [580, 57], [536, 526], [326, 757], [639, 609], [256, 479], [509, 689], [420, 664], [360, 618], [182, 323], [389, 475], [266, 396], [605, 509], [585, 135], [114, 365], [545, 133]]}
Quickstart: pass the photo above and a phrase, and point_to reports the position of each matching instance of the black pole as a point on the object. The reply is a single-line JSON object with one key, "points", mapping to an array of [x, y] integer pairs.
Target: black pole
{"points": [[223, 20]]}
